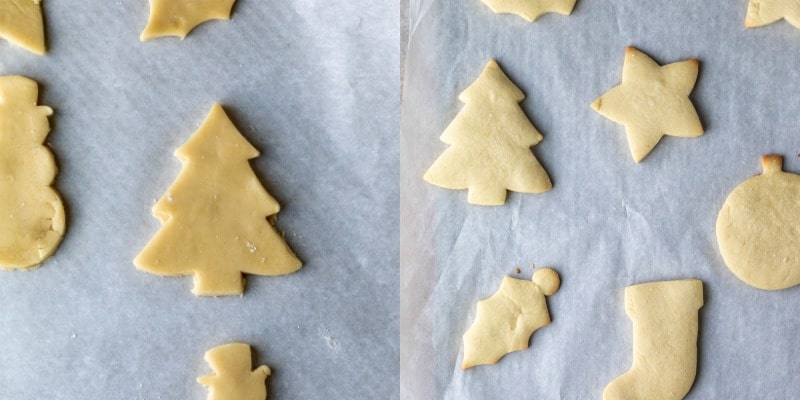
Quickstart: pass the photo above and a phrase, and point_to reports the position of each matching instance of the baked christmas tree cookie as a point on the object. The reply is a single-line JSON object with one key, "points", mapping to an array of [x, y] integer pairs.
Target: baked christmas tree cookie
{"points": [[758, 228], [652, 101], [665, 325], [531, 10], [234, 377], [765, 12], [21, 23], [214, 216], [31, 213], [490, 141], [179, 17], [506, 321]]}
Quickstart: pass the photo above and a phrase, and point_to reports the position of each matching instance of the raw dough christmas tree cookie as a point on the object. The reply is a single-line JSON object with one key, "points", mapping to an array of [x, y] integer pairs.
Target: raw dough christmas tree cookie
{"points": [[652, 101], [531, 9], [758, 228], [665, 323], [506, 321], [21, 24], [490, 144], [765, 12], [214, 216], [31, 213], [179, 17], [233, 377]]}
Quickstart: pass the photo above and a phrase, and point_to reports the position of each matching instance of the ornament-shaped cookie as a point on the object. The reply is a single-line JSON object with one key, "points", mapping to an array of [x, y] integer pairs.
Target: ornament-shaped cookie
{"points": [[490, 141], [179, 17], [233, 377], [758, 228], [531, 10], [32, 217], [505, 322], [652, 101], [21, 23]]}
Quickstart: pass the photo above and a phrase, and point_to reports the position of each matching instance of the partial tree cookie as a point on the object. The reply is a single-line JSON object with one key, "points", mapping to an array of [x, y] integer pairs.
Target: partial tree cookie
{"points": [[758, 228], [179, 17], [490, 144], [234, 377], [214, 216], [505, 322], [32, 217], [665, 324], [652, 101], [21, 23], [531, 10], [765, 12]]}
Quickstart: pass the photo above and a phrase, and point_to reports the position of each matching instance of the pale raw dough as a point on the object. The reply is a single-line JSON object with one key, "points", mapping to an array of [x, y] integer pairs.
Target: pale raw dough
{"points": [[234, 378], [652, 101], [765, 12], [490, 144], [31, 213], [758, 228], [214, 216], [21, 23], [665, 324], [179, 17], [530, 10], [506, 321]]}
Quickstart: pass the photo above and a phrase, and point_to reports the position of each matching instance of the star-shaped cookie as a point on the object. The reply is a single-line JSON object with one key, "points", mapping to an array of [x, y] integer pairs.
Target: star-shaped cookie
{"points": [[765, 12], [652, 101], [530, 10]]}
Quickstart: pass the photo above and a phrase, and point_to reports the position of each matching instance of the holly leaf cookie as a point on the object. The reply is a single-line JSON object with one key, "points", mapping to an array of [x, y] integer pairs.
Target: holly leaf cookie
{"points": [[652, 101], [506, 321], [531, 10]]}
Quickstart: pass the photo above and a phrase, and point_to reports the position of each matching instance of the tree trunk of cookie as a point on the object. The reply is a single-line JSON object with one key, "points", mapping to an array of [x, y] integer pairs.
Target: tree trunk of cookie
{"points": [[665, 324], [487, 196], [772, 163], [218, 283]]}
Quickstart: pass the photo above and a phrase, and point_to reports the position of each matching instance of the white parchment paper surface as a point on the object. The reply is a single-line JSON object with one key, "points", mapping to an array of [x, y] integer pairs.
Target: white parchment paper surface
{"points": [[313, 86], [608, 222]]}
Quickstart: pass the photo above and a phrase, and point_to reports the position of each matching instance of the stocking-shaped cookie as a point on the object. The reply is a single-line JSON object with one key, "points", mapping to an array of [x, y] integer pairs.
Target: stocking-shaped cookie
{"points": [[664, 316], [506, 321]]}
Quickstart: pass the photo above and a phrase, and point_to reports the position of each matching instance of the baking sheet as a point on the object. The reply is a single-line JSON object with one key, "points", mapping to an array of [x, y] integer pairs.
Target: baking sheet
{"points": [[295, 77], [608, 222]]}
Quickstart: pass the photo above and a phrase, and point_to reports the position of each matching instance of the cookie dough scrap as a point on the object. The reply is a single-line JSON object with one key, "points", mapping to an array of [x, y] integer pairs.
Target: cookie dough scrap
{"points": [[765, 12], [179, 17], [490, 141], [531, 10], [505, 322], [652, 101], [234, 377], [32, 217], [21, 23], [758, 228], [214, 216], [665, 325]]}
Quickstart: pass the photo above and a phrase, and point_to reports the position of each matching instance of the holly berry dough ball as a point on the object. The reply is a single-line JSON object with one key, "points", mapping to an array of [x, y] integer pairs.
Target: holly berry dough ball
{"points": [[758, 228]]}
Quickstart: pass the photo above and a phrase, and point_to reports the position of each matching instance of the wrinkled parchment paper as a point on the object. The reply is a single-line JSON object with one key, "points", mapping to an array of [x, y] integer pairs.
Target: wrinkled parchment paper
{"points": [[608, 222], [313, 85]]}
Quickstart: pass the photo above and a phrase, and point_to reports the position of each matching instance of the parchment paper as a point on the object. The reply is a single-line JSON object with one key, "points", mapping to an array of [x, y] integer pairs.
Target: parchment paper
{"points": [[313, 85], [608, 222]]}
